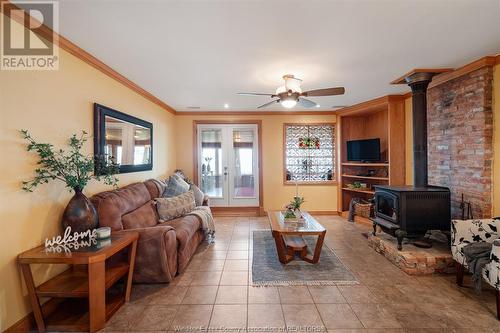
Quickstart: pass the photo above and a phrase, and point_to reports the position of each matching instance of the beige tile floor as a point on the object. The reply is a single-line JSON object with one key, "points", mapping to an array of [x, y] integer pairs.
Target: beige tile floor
{"points": [[215, 292]]}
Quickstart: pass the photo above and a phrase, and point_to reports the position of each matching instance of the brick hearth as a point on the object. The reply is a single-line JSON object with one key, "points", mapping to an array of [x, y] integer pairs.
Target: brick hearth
{"points": [[414, 260]]}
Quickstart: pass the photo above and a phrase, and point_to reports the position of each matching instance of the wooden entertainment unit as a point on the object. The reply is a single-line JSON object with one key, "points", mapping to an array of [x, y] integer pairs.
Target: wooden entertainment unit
{"points": [[382, 118]]}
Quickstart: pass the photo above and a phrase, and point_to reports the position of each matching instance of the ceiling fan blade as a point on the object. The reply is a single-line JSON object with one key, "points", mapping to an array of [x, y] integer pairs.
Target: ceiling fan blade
{"points": [[254, 94], [267, 104], [306, 103], [325, 92]]}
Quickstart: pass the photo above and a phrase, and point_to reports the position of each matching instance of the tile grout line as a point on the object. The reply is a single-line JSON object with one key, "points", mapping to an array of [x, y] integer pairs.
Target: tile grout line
{"points": [[316, 307]]}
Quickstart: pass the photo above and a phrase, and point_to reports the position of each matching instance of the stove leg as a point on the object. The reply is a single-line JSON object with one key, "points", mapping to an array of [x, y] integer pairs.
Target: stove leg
{"points": [[400, 235], [460, 273], [374, 229], [498, 304]]}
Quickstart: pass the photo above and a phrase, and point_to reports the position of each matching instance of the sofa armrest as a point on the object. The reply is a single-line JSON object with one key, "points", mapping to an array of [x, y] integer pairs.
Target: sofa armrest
{"points": [[471, 231], [206, 200], [495, 253], [156, 257]]}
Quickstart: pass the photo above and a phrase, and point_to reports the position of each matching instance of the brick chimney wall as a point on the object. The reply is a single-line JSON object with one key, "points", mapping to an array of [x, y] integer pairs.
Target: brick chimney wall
{"points": [[460, 139]]}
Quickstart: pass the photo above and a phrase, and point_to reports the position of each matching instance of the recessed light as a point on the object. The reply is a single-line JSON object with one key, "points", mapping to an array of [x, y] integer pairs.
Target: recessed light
{"points": [[226, 106], [318, 106]]}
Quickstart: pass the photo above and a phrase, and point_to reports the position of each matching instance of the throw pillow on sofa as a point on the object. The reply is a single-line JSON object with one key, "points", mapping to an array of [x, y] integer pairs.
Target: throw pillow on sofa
{"points": [[175, 186], [171, 208], [198, 194]]}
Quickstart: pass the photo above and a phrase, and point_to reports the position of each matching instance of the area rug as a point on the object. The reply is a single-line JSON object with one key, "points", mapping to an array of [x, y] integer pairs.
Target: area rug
{"points": [[268, 271]]}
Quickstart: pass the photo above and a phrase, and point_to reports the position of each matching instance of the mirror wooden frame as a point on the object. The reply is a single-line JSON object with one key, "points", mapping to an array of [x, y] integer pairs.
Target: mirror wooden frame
{"points": [[100, 113]]}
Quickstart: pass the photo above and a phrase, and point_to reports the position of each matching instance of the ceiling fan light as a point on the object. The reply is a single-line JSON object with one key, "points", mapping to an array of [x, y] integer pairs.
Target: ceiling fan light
{"points": [[280, 90], [288, 103], [292, 83]]}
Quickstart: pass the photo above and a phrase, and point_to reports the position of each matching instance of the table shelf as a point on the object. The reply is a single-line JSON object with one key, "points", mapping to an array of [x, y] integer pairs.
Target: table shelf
{"points": [[73, 282], [72, 314]]}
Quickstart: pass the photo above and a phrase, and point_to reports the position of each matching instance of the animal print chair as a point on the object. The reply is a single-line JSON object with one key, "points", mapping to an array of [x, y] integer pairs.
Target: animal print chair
{"points": [[464, 232]]}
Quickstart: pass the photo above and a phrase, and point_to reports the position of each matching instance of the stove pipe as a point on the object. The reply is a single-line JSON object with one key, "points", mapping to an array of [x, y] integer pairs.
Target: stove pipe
{"points": [[418, 83]]}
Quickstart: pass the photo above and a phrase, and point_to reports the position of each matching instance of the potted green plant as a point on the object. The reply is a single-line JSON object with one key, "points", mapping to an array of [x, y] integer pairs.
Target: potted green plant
{"points": [[294, 206], [74, 169]]}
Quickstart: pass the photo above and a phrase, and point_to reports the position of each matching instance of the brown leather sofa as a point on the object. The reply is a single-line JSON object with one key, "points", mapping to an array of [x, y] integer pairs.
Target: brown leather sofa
{"points": [[164, 249]]}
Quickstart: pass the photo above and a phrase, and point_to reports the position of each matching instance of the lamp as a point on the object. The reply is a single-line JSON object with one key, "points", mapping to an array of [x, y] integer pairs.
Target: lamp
{"points": [[288, 102]]}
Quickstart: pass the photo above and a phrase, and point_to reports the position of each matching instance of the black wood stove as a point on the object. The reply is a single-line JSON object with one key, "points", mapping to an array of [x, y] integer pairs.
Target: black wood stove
{"points": [[407, 211], [411, 211]]}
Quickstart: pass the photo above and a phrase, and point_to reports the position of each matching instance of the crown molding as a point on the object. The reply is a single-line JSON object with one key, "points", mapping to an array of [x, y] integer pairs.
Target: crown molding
{"points": [[70, 47], [255, 113], [487, 61], [379, 103], [402, 79], [407, 95]]}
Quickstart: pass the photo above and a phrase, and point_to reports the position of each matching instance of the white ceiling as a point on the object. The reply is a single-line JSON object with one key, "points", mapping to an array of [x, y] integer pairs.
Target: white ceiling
{"points": [[202, 52]]}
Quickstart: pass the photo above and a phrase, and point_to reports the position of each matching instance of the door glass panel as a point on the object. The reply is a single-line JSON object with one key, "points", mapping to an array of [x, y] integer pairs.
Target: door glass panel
{"points": [[211, 162], [243, 147]]}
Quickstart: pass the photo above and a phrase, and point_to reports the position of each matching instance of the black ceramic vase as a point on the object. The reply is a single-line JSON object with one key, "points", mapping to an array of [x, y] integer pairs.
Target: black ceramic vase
{"points": [[79, 214]]}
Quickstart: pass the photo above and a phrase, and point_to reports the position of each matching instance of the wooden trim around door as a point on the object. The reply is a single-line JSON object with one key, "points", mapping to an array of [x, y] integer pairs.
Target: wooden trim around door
{"points": [[235, 122]]}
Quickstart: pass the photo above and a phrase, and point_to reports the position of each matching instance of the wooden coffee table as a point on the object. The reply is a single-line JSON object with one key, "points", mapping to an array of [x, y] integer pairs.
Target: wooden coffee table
{"points": [[288, 237]]}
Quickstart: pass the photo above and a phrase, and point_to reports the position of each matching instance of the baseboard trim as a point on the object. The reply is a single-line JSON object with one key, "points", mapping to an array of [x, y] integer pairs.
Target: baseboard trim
{"points": [[323, 212], [357, 219], [24, 325], [237, 211]]}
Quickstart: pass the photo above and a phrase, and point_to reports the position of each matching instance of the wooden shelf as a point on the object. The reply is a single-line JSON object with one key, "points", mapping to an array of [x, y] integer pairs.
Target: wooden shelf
{"points": [[71, 314], [358, 190], [73, 282], [365, 177], [365, 164], [382, 118]]}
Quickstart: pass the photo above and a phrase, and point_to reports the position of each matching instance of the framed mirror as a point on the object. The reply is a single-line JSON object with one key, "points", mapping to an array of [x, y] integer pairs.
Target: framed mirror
{"points": [[127, 139]]}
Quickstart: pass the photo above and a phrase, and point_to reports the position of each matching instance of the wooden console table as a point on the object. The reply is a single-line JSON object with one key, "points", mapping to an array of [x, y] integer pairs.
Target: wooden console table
{"points": [[82, 297]]}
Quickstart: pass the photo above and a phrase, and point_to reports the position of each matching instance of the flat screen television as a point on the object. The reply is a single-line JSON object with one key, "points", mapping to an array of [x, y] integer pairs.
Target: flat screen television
{"points": [[363, 150]]}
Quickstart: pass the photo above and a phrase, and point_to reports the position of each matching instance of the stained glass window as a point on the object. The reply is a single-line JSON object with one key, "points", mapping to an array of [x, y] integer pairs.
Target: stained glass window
{"points": [[309, 152]]}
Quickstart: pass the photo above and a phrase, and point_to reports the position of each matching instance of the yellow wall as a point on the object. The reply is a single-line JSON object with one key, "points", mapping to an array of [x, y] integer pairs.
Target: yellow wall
{"points": [[52, 105], [409, 141], [275, 193], [496, 140]]}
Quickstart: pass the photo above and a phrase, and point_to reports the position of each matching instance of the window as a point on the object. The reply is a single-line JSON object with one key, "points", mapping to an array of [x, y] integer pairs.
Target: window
{"points": [[309, 152]]}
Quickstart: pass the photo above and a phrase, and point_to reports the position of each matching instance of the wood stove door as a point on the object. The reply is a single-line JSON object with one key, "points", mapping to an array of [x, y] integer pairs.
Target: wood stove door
{"points": [[387, 206]]}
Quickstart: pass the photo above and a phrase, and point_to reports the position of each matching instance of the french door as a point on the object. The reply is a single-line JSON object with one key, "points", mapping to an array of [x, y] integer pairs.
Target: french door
{"points": [[228, 164]]}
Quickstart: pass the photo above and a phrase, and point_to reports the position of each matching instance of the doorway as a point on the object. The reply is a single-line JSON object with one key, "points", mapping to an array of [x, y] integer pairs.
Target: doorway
{"points": [[227, 163]]}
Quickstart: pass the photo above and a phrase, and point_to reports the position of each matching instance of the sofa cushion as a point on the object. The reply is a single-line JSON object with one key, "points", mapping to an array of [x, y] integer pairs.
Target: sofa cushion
{"points": [[198, 194], [143, 217], [112, 205], [185, 228], [171, 208], [175, 186]]}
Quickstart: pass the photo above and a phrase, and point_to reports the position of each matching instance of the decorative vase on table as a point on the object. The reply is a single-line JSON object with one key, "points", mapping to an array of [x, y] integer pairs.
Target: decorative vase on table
{"points": [[75, 170], [80, 214]]}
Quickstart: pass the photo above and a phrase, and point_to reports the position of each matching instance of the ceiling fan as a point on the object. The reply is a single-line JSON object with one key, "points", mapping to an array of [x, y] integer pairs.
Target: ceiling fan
{"points": [[290, 94]]}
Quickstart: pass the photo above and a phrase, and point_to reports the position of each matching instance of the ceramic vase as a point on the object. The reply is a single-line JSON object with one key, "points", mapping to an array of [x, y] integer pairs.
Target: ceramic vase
{"points": [[79, 214]]}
